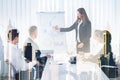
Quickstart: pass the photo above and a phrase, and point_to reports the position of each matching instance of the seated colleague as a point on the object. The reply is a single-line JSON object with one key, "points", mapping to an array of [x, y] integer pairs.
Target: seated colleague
{"points": [[99, 36], [32, 36], [14, 56], [98, 46], [1, 50]]}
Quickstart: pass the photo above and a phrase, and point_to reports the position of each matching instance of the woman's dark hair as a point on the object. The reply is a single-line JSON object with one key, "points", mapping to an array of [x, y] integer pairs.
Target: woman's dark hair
{"points": [[12, 34], [83, 12]]}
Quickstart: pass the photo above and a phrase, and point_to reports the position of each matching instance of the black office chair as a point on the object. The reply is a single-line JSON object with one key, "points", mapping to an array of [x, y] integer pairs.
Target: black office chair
{"points": [[109, 66], [42, 61]]}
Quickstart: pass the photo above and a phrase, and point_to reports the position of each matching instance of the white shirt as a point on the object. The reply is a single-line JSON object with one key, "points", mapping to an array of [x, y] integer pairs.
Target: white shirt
{"points": [[95, 46], [15, 58], [78, 38]]}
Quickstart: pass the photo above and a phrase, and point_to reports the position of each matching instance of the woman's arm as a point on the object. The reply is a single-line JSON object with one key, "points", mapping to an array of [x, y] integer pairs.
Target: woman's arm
{"points": [[69, 28]]}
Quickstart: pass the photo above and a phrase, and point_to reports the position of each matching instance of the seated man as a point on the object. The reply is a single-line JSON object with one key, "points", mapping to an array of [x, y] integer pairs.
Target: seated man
{"points": [[13, 55], [35, 49]]}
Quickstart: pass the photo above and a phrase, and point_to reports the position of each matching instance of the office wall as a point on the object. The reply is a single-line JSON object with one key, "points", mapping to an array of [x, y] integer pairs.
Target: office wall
{"points": [[102, 13], [21, 13]]}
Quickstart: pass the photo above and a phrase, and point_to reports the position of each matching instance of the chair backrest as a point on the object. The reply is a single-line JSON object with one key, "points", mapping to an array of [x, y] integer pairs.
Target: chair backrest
{"points": [[28, 52], [7, 70]]}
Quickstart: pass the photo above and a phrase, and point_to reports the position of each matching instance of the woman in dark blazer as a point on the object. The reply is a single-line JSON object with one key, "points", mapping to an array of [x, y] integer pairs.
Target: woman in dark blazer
{"points": [[82, 27]]}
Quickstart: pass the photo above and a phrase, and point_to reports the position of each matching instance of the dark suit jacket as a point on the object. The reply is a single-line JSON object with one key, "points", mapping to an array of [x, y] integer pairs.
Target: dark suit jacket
{"points": [[84, 34]]}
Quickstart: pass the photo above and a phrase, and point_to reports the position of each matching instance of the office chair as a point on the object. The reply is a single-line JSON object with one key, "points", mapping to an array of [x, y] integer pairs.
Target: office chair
{"points": [[108, 64], [8, 72]]}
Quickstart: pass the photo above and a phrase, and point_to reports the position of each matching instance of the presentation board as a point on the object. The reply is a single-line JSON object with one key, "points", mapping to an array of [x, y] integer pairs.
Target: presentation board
{"points": [[49, 38]]}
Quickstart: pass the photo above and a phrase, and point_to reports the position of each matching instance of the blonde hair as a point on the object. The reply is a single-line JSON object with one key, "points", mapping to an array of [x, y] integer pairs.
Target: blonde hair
{"points": [[99, 34]]}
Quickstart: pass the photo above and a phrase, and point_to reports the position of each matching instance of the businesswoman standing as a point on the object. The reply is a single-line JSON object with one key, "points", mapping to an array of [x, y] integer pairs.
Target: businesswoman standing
{"points": [[82, 28]]}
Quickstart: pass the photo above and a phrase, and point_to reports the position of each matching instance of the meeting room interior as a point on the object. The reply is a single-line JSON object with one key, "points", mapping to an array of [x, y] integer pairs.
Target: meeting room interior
{"points": [[59, 40]]}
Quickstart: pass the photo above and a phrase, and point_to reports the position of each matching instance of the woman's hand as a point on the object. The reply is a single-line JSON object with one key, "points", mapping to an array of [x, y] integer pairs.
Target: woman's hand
{"points": [[37, 63], [56, 27], [80, 45], [48, 56]]}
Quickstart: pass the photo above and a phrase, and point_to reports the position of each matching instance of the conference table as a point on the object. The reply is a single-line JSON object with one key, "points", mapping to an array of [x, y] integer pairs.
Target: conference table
{"points": [[82, 70], [63, 70]]}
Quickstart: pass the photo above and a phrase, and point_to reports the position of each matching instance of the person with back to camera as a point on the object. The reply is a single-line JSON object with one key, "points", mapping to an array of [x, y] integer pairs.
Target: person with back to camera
{"points": [[82, 27]]}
